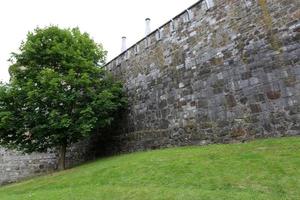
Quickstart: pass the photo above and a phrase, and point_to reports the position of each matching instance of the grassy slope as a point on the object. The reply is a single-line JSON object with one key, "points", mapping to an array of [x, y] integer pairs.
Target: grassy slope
{"points": [[264, 169]]}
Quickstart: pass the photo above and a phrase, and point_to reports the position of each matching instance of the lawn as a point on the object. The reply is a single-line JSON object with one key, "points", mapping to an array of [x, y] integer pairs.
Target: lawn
{"points": [[262, 169]]}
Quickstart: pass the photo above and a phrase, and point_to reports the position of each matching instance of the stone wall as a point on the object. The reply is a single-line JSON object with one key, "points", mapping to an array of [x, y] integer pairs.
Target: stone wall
{"points": [[217, 75], [227, 73], [15, 166]]}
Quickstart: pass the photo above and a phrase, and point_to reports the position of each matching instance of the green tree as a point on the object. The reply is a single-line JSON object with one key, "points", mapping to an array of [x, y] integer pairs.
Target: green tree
{"points": [[58, 93]]}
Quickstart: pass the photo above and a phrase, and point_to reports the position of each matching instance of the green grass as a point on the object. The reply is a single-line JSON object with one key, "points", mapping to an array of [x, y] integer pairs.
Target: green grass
{"points": [[263, 169]]}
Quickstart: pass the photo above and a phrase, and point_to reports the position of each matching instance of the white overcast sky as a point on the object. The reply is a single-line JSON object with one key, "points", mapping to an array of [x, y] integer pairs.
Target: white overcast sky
{"points": [[105, 20]]}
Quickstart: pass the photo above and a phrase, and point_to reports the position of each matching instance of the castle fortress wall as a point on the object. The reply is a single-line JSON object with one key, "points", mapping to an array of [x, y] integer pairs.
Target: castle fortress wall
{"points": [[217, 75], [15, 166]]}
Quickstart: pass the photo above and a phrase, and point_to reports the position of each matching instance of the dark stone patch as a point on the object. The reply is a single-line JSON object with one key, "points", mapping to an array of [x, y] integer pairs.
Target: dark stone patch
{"points": [[244, 100], [255, 108], [273, 94], [259, 97], [230, 100], [238, 132], [246, 75], [290, 81]]}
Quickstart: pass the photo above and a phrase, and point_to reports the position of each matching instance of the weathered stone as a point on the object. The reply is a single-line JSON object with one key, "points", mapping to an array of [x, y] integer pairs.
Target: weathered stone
{"points": [[220, 70], [244, 100], [238, 132], [260, 97], [229, 73], [231, 102], [16, 166], [246, 75], [255, 108], [273, 94]]}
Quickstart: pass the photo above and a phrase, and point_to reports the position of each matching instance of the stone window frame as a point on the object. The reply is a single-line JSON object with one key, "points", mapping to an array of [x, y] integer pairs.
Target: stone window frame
{"points": [[210, 3], [127, 55], [118, 62], [172, 26], [159, 33], [247, 3], [188, 15], [147, 42], [136, 49]]}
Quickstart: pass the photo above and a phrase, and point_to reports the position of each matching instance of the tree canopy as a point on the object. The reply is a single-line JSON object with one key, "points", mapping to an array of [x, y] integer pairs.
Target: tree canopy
{"points": [[58, 93]]}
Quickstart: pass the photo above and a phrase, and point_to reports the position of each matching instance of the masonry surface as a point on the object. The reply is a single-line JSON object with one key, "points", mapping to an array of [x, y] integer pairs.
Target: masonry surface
{"points": [[218, 75], [214, 75], [16, 166]]}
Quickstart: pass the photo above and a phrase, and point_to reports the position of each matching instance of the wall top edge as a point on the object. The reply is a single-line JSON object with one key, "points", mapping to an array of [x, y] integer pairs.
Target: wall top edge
{"points": [[153, 32]]}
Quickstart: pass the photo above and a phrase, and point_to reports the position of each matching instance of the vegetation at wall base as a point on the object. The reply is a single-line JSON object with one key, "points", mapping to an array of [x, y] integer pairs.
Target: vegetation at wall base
{"points": [[266, 169], [59, 92]]}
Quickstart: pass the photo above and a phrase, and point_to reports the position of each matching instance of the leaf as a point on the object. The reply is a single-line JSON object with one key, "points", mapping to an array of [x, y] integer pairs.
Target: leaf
{"points": [[58, 94]]}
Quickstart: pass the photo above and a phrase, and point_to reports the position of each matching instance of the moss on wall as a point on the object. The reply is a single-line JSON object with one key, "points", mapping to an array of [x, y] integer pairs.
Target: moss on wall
{"points": [[268, 25]]}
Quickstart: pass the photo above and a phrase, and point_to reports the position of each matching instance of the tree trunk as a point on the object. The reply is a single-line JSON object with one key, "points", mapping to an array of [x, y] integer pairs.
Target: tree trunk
{"points": [[62, 157]]}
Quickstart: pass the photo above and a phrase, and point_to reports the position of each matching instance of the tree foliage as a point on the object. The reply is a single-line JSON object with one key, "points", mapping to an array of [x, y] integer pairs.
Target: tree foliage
{"points": [[58, 92]]}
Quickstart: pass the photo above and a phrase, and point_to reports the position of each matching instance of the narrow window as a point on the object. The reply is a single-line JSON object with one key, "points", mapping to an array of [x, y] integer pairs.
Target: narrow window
{"points": [[147, 42], [117, 61], [158, 34], [136, 49], [248, 3], [189, 15], [209, 3], [172, 26], [127, 55]]}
